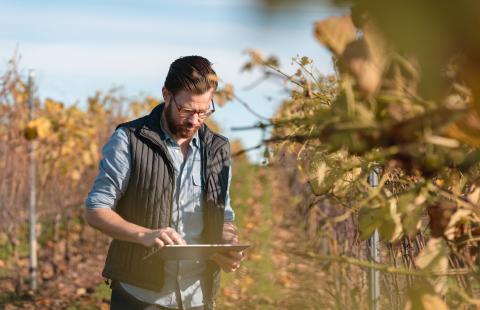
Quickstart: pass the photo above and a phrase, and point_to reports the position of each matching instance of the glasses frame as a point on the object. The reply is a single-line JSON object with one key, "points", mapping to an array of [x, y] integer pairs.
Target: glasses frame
{"points": [[191, 112]]}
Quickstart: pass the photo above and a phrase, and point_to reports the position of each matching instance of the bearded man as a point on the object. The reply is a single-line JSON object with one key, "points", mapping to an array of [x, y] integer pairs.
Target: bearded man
{"points": [[164, 179]]}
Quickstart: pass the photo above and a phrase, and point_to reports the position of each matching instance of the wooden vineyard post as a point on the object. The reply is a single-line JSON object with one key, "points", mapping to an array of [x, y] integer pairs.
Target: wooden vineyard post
{"points": [[32, 190]]}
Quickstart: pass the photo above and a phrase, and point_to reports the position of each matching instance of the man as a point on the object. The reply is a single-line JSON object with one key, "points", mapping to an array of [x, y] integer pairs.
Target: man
{"points": [[164, 179]]}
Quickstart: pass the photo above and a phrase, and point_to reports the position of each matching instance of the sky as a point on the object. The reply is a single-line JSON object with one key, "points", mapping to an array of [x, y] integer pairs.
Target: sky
{"points": [[78, 47]]}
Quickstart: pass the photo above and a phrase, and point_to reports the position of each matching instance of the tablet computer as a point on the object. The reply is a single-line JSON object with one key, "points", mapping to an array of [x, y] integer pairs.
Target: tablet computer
{"points": [[195, 251]]}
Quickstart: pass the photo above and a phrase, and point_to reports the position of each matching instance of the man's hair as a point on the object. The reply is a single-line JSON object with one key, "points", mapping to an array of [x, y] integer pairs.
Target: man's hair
{"points": [[191, 73]]}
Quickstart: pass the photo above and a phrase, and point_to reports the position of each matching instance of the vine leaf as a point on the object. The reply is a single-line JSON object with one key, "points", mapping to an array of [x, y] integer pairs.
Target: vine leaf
{"points": [[459, 217], [40, 127], [369, 219], [335, 33], [422, 296], [411, 209], [224, 94], [386, 219], [434, 258]]}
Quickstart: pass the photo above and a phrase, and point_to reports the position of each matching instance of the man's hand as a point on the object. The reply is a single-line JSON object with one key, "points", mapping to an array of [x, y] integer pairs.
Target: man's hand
{"points": [[230, 233], [111, 223], [229, 261], [161, 237]]}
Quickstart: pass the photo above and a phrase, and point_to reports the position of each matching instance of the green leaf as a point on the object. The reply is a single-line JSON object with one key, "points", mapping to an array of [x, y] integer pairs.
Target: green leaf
{"points": [[391, 226], [411, 208], [370, 219]]}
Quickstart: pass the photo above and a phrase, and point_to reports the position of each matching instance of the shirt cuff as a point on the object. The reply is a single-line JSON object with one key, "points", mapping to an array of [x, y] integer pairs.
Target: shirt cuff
{"points": [[229, 215]]}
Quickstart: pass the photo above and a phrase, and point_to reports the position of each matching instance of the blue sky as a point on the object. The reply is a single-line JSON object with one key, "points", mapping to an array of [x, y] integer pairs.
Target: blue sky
{"points": [[78, 47]]}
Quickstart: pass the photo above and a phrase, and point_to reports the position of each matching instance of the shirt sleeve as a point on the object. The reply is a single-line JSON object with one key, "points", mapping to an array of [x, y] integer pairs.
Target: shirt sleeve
{"points": [[229, 215], [114, 173]]}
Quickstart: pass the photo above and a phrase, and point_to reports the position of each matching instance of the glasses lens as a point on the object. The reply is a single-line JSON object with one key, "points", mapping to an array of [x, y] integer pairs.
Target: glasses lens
{"points": [[205, 114], [188, 113]]}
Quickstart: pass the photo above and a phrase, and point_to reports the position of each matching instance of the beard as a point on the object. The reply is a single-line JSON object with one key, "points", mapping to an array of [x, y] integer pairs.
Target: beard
{"points": [[180, 128]]}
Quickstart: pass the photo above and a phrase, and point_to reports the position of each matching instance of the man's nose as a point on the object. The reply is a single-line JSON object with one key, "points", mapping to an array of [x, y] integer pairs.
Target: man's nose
{"points": [[193, 118]]}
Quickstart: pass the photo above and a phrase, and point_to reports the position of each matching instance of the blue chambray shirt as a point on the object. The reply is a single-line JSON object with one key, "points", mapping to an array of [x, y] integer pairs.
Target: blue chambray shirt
{"points": [[187, 218]]}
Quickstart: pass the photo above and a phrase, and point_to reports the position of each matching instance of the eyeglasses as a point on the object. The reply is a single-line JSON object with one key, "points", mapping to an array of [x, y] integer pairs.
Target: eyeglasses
{"points": [[183, 112]]}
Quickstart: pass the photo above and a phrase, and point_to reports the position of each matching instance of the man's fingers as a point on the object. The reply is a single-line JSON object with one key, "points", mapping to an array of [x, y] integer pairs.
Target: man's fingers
{"points": [[159, 242], [177, 238], [166, 238], [236, 255], [170, 236], [226, 262], [230, 233]]}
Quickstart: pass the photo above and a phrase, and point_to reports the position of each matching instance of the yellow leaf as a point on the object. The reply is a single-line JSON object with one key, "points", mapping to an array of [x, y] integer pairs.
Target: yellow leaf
{"points": [[52, 106], [461, 215], [434, 302], [75, 175], [93, 148], [87, 158], [434, 258], [225, 94], [152, 103], [40, 127], [422, 297], [427, 302]]}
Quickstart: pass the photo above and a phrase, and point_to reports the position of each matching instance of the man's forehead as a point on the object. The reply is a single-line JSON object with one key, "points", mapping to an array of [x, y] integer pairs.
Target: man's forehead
{"points": [[187, 98]]}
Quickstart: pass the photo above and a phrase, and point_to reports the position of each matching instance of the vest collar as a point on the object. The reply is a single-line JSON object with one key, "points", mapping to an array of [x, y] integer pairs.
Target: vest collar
{"points": [[152, 129]]}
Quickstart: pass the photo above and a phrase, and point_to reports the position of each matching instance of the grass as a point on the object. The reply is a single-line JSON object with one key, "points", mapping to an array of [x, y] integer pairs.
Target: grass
{"points": [[102, 292], [8, 298]]}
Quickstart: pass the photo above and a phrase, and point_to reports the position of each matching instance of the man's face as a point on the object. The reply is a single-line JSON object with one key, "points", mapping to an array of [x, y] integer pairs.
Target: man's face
{"points": [[184, 125]]}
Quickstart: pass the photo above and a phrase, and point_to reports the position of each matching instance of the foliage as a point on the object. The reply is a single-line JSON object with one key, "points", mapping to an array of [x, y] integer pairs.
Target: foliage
{"points": [[402, 107]]}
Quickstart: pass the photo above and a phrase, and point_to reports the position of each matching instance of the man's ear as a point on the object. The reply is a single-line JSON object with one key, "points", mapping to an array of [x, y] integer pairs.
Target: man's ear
{"points": [[166, 94]]}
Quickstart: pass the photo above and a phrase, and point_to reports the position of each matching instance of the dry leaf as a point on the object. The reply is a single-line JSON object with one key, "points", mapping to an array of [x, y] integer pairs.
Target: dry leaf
{"points": [[461, 215], [335, 33], [474, 195], [81, 291]]}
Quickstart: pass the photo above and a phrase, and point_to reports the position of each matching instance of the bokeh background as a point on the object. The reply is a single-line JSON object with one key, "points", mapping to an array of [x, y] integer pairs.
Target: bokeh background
{"points": [[79, 47]]}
